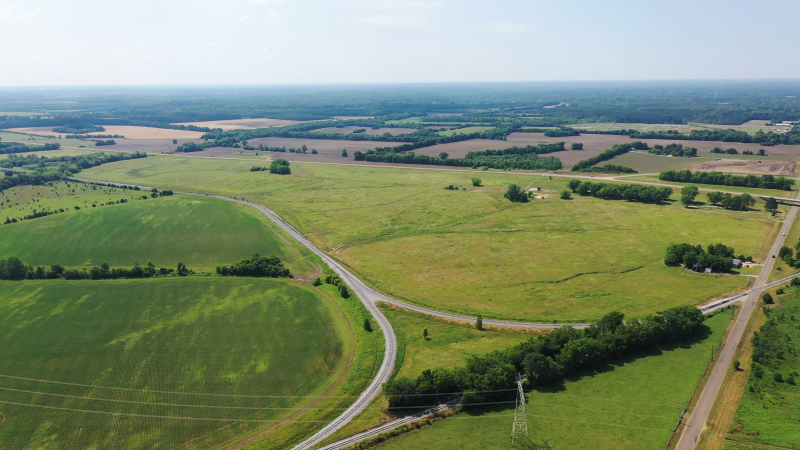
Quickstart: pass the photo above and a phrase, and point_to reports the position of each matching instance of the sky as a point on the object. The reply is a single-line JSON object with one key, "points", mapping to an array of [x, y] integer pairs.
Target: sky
{"points": [[190, 42]]}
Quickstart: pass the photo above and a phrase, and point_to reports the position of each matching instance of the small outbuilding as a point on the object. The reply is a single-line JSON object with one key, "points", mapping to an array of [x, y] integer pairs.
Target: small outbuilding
{"points": [[737, 263], [697, 267]]}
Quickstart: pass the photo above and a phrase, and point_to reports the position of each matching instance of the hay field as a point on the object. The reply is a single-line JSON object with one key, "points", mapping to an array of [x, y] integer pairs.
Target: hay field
{"points": [[637, 413], [130, 132], [200, 232], [158, 363], [473, 251], [644, 162], [370, 131]]}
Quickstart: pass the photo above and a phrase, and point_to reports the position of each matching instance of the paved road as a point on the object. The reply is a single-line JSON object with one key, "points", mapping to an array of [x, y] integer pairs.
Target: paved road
{"points": [[370, 297], [697, 421]]}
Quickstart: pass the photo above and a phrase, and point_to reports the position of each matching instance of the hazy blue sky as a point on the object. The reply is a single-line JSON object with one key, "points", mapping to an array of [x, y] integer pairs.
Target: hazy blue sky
{"points": [[91, 42]]}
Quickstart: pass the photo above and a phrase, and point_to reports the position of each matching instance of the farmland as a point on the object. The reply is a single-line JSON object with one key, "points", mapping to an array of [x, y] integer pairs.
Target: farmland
{"points": [[202, 233], [630, 404], [466, 130], [130, 132], [369, 131], [473, 251], [769, 408], [87, 364]]}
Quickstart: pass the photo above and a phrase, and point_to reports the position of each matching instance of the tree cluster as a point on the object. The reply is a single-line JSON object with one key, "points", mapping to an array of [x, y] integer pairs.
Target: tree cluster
{"points": [[673, 150], [336, 280], [724, 179], [629, 192], [16, 147], [616, 150], [608, 168], [516, 194], [280, 167], [100, 142], [772, 347], [736, 202], [13, 268], [718, 257], [730, 151], [257, 266], [100, 136], [562, 132], [83, 130], [546, 358], [189, 147]]}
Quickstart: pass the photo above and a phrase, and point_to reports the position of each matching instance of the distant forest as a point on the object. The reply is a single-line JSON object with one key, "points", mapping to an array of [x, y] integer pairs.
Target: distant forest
{"points": [[717, 102]]}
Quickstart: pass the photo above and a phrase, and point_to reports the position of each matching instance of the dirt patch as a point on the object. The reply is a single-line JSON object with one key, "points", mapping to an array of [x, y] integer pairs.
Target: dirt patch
{"points": [[755, 167], [130, 132], [371, 132]]}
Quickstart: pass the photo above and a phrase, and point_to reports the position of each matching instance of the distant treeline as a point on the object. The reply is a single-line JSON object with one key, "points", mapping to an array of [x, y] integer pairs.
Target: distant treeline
{"points": [[724, 179], [83, 130], [546, 358], [673, 150], [608, 168], [17, 147], [257, 266], [523, 158], [13, 268], [100, 143], [189, 147], [616, 150], [629, 192]]}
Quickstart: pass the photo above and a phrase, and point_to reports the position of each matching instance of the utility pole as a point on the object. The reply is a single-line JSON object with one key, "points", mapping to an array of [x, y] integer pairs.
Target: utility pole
{"points": [[520, 427]]}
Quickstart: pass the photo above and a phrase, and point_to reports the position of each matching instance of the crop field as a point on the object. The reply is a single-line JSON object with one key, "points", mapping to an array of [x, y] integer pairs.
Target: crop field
{"points": [[130, 132], [613, 407], [370, 131], [56, 153], [769, 409], [466, 130], [750, 126], [644, 162], [202, 233], [157, 363], [243, 124], [473, 251]]}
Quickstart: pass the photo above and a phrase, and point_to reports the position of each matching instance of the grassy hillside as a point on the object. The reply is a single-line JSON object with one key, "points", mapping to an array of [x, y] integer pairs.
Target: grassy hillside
{"points": [[156, 363], [473, 251], [631, 404], [200, 232]]}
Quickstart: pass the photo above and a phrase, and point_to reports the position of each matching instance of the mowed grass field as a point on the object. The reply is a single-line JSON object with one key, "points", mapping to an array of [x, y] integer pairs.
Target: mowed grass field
{"points": [[769, 411], [473, 251], [631, 404], [200, 232], [195, 362]]}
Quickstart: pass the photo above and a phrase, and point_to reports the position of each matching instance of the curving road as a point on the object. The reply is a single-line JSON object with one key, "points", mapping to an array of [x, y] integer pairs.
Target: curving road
{"points": [[370, 297]]}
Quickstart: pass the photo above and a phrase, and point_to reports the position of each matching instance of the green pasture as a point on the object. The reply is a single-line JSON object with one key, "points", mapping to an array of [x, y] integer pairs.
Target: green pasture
{"points": [[769, 410], [406, 120], [630, 404], [473, 251], [192, 363], [466, 130], [55, 153], [716, 187], [200, 232], [30, 139]]}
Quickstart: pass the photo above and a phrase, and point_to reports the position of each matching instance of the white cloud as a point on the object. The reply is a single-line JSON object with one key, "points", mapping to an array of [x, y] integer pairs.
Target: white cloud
{"points": [[391, 20], [505, 27]]}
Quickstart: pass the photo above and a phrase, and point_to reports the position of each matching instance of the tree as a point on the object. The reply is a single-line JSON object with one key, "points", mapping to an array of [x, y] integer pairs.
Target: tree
{"points": [[317, 282], [516, 194], [175, 141], [367, 325], [786, 253], [573, 184], [688, 194], [715, 197], [565, 195], [343, 291], [479, 322], [182, 270], [736, 365], [344, 153], [425, 334], [771, 204], [762, 152], [577, 146], [476, 181], [443, 155], [314, 151], [767, 298]]}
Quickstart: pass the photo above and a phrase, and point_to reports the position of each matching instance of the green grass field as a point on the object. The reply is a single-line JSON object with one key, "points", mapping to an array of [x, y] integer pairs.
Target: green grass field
{"points": [[153, 364], [466, 130], [473, 251], [200, 232], [30, 139], [768, 411], [630, 404], [55, 153]]}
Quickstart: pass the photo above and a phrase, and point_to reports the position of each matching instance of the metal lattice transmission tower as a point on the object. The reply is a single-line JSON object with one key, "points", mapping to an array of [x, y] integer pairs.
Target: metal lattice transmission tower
{"points": [[520, 428]]}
